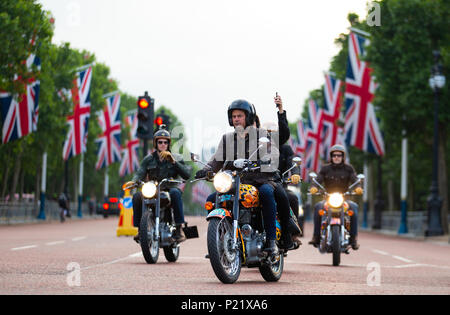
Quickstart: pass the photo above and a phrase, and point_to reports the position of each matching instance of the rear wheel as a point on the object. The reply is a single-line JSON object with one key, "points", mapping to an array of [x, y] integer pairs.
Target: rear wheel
{"points": [[149, 246], [172, 252], [225, 261], [272, 272], [336, 244]]}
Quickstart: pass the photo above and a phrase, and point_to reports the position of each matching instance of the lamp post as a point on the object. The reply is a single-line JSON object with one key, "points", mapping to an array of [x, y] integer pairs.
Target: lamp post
{"points": [[437, 82]]}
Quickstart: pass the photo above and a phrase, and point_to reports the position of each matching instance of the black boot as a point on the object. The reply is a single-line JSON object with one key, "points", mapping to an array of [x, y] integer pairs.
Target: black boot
{"points": [[178, 235], [287, 242], [271, 247], [315, 241], [354, 242]]}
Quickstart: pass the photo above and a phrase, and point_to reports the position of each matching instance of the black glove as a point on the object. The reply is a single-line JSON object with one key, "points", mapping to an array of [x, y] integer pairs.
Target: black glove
{"points": [[200, 174]]}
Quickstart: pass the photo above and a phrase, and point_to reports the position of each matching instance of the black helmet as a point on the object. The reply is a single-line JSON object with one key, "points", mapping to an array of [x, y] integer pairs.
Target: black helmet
{"points": [[245, 106], [161, 133]]}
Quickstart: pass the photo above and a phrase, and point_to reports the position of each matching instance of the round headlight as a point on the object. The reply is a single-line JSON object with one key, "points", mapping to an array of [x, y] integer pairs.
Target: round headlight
{"points": [[149, 190], [223, 182], [336, 200]]}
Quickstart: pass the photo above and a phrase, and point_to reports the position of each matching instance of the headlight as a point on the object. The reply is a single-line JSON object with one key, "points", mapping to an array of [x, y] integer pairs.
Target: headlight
{"points": [[149, 190], [223, 182], [336, 200]]}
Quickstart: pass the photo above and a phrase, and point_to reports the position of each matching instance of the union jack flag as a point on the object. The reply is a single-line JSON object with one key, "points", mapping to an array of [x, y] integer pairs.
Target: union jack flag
{"points": [[299, 146], [78, 122], [200, 192], [361, 125], [130, 160], [332, 132], [20, 113], [109, 140], [313, 137]]}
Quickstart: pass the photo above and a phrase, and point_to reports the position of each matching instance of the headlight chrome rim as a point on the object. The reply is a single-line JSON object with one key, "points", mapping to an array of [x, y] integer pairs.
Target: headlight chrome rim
{"points": [[149, 190], [336, 200], [223, 181]]}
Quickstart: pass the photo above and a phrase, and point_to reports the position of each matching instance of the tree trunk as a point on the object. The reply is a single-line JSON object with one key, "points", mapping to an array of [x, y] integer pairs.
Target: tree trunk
{"points": [[16, 174], [443, 180]]}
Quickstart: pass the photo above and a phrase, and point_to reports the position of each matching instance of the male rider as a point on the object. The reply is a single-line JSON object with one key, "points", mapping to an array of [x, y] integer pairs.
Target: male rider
{"points": [[157, 166], [337, 176], [240, 144]]}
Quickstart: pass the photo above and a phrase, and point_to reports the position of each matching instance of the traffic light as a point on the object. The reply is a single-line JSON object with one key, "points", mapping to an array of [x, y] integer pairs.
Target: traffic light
{"points": [[162, 119], [146, 112]]}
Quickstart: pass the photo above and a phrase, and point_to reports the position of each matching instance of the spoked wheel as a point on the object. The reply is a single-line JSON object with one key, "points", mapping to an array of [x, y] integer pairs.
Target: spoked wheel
{"points": [[336, 244], [272, 272], [225, 261], [149, 246]]}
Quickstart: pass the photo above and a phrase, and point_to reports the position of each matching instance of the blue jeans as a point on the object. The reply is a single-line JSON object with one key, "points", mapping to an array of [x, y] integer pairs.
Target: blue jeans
{"points": [[177, 205], [353, 219], [269, 209]]}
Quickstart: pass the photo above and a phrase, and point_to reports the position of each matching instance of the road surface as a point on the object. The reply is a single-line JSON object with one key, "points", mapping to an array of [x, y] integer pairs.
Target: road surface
{"points": [[86, 257]]}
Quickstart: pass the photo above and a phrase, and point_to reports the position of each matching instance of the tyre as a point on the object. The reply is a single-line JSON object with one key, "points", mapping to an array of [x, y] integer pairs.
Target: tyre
{"points": [[149, 246], [336, 244], [225, 261], [273, 272], [171, 252]]}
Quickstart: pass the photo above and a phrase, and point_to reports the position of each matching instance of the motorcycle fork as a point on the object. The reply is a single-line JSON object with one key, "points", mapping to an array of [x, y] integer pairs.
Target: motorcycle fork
{"points": [[157, 212], [236, 212]]}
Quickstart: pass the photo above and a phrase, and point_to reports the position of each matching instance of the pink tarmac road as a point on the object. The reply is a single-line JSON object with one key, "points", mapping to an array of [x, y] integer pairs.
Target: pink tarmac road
{"points": [[86, 257]]}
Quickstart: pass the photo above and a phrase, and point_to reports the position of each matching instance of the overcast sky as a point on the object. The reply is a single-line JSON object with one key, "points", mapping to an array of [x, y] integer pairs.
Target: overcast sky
{"points": [[197, 56]]}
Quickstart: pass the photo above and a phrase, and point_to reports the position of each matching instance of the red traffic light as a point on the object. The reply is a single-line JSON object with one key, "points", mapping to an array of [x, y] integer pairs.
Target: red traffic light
{"points": [[159, 121], [143, 103]]}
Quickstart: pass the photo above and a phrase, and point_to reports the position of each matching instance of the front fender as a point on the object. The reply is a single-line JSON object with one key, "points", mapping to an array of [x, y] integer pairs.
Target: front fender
{"points": [[218, 213]]}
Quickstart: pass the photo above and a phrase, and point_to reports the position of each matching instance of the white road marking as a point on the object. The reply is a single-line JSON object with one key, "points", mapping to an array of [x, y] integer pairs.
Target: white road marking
{"points": [[55, 243], [80, 238], [403, 259], [23, 247]]}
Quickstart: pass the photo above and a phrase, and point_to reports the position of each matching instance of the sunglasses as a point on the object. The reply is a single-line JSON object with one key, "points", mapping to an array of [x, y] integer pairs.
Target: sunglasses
{"points": [[163, 142], [337, 155]]}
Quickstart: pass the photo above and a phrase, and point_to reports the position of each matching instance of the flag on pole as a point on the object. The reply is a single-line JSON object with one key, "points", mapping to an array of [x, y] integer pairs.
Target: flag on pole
{"points": [[20, 112], [313, 137], [130, 157], [332, 132], [75, 142], [108, 141], [361, 124]]}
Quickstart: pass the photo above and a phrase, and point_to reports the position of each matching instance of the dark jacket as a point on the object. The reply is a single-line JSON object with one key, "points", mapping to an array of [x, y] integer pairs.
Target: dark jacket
{"points": [[286, 156], [283, 128], [157, 170], [337, 178]]}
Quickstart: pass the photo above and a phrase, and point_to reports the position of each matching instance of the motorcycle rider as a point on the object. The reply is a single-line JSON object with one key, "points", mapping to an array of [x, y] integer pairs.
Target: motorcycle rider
{"points": [[337, 176], [157, 166], [240, 144]]}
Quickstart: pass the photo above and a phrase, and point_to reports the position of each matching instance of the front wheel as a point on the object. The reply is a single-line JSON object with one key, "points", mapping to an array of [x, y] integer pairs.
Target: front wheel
{"points": [[149, 246], [336, 244], [225, 261]]}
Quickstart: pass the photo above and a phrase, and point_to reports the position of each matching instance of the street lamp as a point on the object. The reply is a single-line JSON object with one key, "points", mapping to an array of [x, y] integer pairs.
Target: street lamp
{"points": [[437, 82]]}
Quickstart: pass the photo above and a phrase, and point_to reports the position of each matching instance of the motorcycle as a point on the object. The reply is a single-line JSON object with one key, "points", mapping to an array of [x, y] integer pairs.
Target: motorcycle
{"points": [[335, 223], [157, 222], [236, 235]]}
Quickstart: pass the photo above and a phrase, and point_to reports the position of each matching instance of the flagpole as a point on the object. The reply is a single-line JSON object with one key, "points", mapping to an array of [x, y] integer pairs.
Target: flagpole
{"points": [[365, 196], [110, 94], [106, 188], [41, 215], [84, 67], [80, 187], [404, 187]]}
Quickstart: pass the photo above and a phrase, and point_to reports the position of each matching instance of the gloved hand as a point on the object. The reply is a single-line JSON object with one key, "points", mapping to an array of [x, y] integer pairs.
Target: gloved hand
{"points": [[358, 191], [200, 174], [167, 156], [313, 190], [295, 179], [128, 185]]}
